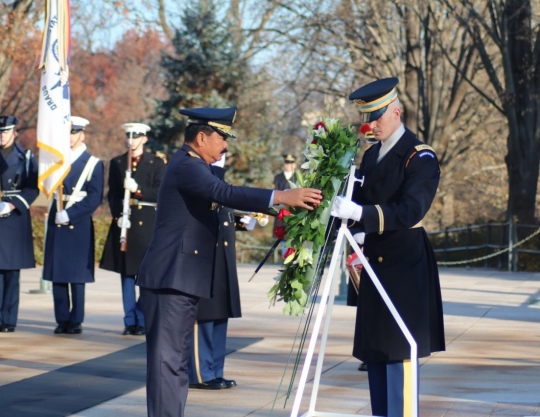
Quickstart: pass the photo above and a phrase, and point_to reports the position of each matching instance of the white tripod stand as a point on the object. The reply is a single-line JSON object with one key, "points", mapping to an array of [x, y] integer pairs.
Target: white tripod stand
{"points": [[327, 301]]}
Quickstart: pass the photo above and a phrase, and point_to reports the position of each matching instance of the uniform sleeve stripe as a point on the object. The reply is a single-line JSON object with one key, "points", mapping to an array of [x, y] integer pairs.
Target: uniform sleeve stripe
{"points": [[381, 218]]}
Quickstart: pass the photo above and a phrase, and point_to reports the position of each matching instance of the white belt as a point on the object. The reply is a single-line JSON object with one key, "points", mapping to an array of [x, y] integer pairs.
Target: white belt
{"points": [[135, 202], [76, 198]]}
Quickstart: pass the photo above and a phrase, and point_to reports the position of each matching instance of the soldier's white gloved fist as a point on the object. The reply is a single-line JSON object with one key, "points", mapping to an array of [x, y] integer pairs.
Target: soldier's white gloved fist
{"points": [[346, 209], [359, 238], [249, 221], [121, 221], [130, 184], [61, 217], [5, 208]]}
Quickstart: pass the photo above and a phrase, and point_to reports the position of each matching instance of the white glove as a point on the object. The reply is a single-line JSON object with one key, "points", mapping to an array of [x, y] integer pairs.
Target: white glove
{"points": [[131, 184], [121, 221], [346, 209], [5, 208], [359, 238], [62, 218], [249, 221]]}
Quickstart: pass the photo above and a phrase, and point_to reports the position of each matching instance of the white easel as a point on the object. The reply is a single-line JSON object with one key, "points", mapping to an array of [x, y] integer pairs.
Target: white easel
{"points": [[327, 300]]}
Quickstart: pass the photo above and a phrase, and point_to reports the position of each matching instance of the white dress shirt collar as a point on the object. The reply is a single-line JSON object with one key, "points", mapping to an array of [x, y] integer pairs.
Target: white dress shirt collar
{"points": [[74, 155], [390, 142]]}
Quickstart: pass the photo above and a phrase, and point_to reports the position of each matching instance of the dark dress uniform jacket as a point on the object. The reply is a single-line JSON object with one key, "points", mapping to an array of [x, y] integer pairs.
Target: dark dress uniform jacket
{"points": [[16, 244], [69, 249], [396, 195], [225, 302], [148, 173], [181, 253]]}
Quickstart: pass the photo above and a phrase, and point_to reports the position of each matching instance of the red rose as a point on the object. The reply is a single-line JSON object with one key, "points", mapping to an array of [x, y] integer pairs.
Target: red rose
{"points": [[288, 253], [320, 124], [314, 142], [283, 213], [365, 128], [279, 232]]}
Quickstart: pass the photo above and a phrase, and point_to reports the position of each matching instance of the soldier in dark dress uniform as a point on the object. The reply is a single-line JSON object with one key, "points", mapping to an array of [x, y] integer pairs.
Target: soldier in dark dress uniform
{"points": [[207, 359], [69, 243], [18, 189], [288, 173], [177, 269], [146, 173], [398, 180], [281, 182]]}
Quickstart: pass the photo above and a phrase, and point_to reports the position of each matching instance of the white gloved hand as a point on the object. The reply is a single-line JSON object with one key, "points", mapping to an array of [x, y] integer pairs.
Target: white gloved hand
{"points": [[62, 218], [249, 221], [346, 209], [5, 208], [131, 184], [121, 221], [359, 238]]}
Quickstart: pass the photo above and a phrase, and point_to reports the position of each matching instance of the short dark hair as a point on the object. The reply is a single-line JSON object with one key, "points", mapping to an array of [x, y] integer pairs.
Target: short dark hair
{"points": [[193, 130]]}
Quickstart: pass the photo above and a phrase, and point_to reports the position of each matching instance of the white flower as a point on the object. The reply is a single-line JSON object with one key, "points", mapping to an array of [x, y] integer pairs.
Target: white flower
{"points": [[332, 124], [314, 154], [305, 254]]}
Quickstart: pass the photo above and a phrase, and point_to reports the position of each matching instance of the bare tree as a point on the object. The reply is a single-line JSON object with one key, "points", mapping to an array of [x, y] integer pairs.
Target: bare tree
{"points": [[506, 35], [17, 19]]}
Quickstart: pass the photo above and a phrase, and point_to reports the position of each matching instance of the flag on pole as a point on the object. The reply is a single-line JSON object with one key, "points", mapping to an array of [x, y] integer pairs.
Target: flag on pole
{"points": [[54, 112]]}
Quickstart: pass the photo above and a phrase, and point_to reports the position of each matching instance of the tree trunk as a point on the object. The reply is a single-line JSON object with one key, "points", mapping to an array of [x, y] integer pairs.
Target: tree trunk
{"points": [[522, 105]]}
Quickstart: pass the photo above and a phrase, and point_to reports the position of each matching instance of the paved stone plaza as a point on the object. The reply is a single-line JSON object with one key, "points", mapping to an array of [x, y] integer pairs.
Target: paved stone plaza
{"points": [[491, 367]]}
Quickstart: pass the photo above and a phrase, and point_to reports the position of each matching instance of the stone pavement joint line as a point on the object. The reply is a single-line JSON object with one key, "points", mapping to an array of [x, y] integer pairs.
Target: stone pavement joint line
{"points": [[491, 366]]}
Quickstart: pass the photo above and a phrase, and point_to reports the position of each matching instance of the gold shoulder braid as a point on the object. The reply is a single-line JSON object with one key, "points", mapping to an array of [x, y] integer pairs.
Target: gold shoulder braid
{"points": [[193, 154]]}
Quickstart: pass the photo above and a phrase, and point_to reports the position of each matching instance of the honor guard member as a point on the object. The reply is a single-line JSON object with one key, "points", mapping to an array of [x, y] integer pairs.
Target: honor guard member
{"points": [[396, 183], [207, 359], [18, 189], [177, 269], [281, 180], [69, 243], [146, 173]]}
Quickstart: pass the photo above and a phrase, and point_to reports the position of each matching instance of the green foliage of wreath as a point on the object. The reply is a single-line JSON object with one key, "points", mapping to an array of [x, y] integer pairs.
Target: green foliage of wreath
{"points": [[329, 152]]}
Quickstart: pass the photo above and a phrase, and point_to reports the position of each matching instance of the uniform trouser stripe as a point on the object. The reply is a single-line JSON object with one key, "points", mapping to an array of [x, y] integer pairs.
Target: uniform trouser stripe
{"points": [[196, 352], [390, 388], [407, 392]]}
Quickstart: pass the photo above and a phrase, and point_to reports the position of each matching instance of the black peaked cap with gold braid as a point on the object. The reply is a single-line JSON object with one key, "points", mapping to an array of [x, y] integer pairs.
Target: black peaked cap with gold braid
{"points": [[373, 98], [220, 120]]}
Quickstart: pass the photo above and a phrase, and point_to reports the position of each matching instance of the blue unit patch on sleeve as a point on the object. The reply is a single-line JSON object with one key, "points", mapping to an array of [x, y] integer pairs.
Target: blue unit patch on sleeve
{"points": [[426, 153]]}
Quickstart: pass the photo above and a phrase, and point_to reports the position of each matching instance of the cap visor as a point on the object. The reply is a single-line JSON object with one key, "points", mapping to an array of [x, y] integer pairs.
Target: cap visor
{"points": [[371, 117], [228, 134]]}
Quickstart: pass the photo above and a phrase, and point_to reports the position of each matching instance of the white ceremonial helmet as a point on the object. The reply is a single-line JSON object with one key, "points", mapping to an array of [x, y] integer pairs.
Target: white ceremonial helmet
{"points": [[78, 123], [136, 129]]}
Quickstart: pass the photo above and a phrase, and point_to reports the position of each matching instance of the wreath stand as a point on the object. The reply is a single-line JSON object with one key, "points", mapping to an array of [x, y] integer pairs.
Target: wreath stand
{"points": [[327, 303]]}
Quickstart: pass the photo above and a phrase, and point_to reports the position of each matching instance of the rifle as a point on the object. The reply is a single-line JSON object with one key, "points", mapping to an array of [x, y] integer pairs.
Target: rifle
{"points": [[127, 196]]}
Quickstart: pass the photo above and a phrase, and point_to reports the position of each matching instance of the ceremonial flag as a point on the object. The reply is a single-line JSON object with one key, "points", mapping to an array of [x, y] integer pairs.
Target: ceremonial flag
{"points": [[54, 114]]}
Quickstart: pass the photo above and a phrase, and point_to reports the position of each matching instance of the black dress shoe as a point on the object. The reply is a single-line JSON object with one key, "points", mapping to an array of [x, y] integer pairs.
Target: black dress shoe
{"points": [[362, 367], [74, 329], [212, 384], [139, 331], [129, 330], [7, 328], [229, 383], [60, 329]]}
